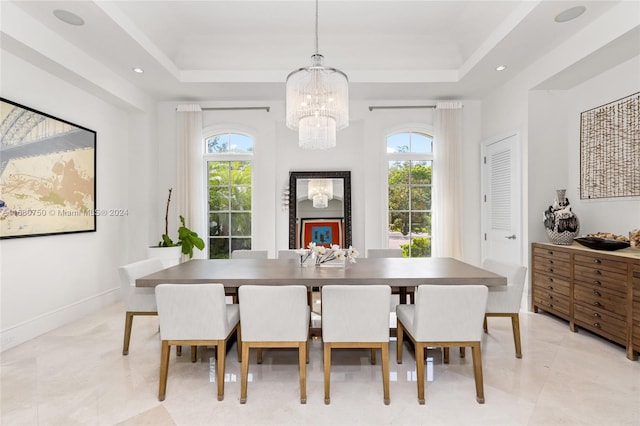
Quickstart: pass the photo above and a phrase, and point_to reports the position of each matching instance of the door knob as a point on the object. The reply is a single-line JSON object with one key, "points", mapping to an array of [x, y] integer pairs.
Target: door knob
{"points": [[511, 237]]}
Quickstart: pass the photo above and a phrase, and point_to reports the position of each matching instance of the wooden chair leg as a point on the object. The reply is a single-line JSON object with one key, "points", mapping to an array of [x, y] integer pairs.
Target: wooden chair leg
{"points": [[259, 355], [239, 343], [222, 348], [327, 372], [194, 353], [302, 361], [373, 356], [445, 355], [164, 369], [484, 325], [420, 372], [128, 322], [462, 352], [385, 372], [515, 325], [307, 349], [178, 350], [399, 334], [244, 373], [477, 371]]}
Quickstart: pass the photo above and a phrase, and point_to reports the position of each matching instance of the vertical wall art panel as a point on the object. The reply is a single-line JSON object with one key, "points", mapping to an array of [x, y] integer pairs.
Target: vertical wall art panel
{"points": [[610, 149], [47, 174]]}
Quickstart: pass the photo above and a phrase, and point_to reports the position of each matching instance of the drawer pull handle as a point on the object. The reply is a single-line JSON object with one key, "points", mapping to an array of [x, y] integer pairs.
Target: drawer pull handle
{"points": [[551, 262], [550, 269], [550, 297], [596, 282], [550, 252], [597, 293], [550, 279], [550, 287], [597, 315], [597, 325], [598, 261], [598, 304], [597, 272]]}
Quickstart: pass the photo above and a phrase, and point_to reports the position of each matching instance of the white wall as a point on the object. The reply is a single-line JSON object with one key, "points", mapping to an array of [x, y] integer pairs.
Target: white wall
{"points": [[360, 149], [549, 121], [48, 281], [617, 215]]}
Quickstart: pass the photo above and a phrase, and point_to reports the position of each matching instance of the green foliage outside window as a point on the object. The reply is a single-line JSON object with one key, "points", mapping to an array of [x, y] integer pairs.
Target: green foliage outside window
{"points": [[409, 192], [420, 247], [230, 191]]}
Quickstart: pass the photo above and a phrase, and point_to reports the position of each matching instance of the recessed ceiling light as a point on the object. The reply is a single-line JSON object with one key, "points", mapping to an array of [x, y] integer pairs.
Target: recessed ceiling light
{"points": [[570, 14], [138, 70], [501, 67], [68, 17]]}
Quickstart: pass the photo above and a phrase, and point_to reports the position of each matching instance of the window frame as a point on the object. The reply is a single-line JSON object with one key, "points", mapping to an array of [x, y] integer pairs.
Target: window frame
{"points": [[227, 157], [406, 156]]}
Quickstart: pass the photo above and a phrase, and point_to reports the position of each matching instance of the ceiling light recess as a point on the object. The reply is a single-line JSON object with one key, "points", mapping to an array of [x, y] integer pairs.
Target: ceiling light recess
{"points": [[317, 102], [68, 17], [570, 14]]}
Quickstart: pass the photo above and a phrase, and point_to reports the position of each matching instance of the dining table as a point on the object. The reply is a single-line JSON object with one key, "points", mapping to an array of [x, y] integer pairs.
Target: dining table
{"points": [[402, 273], [396, 272]]}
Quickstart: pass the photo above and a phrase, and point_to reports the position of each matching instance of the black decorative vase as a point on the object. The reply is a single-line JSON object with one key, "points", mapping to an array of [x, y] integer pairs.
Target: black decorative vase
{"points": [[561, 223]]}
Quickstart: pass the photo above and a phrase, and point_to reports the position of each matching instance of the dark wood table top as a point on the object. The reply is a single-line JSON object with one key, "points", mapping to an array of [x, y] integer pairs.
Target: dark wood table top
{"points": [[396, 272]]}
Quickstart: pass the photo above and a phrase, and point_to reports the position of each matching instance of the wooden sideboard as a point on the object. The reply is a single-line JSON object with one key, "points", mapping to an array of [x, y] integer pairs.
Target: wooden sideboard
{"points": [[596, 290]]}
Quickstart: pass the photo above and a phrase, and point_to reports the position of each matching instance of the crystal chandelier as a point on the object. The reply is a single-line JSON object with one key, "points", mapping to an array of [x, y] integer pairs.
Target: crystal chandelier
{"points": [[317, 102], [320, 191]]}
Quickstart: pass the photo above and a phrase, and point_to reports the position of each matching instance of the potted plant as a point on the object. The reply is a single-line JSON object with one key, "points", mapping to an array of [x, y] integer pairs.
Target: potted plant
{"points": [[187, 239]]}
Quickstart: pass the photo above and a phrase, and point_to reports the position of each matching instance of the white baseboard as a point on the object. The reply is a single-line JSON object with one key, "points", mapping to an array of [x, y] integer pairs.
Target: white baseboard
{"points": [[32, 328]]}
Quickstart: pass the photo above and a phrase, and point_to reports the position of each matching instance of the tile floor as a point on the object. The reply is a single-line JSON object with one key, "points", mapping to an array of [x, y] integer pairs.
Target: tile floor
{"points": [[76, 375]]}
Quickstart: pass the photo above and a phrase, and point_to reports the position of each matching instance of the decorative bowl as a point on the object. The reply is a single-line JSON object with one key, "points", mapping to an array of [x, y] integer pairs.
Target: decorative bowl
{"points": [[602, 243]]}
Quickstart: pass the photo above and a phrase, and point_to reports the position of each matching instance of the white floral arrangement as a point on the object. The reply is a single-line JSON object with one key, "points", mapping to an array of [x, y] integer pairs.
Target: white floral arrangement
{"points": [[322, 254]]}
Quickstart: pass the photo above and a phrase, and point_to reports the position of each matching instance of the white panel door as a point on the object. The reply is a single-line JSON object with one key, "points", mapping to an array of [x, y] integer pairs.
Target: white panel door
{"points": [[502, 199]]}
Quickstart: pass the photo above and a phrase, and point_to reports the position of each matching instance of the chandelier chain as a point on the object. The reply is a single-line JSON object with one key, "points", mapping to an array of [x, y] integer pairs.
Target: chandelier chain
{"points": [[316, 27]]}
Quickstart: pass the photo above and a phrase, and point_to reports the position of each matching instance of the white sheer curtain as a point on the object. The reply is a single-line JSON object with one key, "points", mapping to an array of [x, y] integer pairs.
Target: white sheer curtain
{"points": [[447, 181], [190, 191]]}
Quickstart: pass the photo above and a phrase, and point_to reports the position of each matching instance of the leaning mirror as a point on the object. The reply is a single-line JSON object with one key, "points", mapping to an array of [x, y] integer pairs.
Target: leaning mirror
{"points": [[319, 208]]}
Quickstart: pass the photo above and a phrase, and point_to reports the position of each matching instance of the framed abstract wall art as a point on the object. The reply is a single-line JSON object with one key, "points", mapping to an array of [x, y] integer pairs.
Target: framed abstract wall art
{"points": [[47, 174], [610, 149], [323, 231]]}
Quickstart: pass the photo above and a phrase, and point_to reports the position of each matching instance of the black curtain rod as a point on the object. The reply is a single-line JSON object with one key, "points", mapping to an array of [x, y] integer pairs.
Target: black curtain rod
{"points": [[266, 108], [371, 108]]}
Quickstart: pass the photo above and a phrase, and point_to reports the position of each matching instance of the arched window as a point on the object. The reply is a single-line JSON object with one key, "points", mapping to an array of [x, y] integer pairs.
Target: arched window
{"points": [[229, 158], [410, 163]]}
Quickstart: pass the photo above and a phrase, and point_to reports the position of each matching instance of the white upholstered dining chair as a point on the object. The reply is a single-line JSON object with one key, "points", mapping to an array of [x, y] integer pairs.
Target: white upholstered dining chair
{"points": [[506, 301], [137, 300], [274, 317], [288, 254], [444, 316], [249, 254], [196, 315], [356, 317], [395, 291]]}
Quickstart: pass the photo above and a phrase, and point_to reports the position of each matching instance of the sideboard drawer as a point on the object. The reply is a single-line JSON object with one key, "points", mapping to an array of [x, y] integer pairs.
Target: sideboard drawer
{"points": [[552, 283], [600, 322], [543, 265], [612, 280], [601, 300], [551, 302], [552, 253], [601, 263]]}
